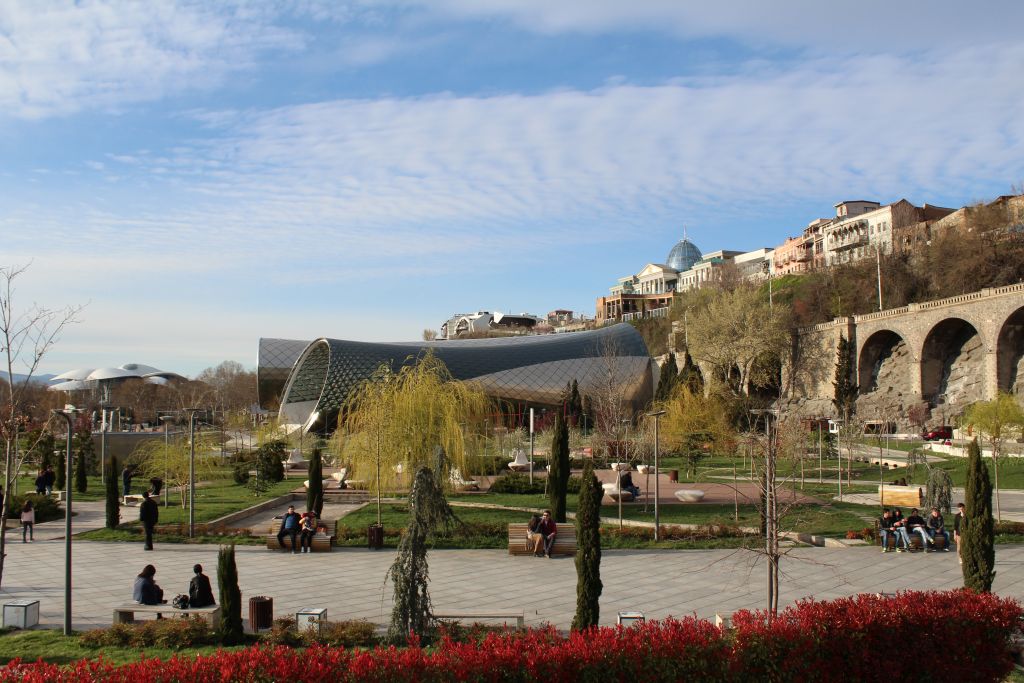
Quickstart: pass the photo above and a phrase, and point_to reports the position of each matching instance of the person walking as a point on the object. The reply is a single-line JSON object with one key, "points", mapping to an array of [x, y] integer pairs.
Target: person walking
{"points": [[959, 522], [200, 594], [149, 514], [51, 479], [28, 520]]}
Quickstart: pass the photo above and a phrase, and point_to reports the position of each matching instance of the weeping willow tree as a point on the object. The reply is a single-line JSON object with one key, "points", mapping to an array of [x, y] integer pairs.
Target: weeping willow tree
{"points": [[428, 512], [399, 418], [170, 461]]}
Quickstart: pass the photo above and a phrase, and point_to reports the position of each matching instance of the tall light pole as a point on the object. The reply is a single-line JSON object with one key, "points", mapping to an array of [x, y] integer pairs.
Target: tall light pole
{"points": [[192, 472], [657, 520], [67, 413], [531, 445], [166, 419]]}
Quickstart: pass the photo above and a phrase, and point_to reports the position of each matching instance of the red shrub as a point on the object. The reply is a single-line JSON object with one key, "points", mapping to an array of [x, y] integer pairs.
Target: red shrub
{"points": [[855, 639]]}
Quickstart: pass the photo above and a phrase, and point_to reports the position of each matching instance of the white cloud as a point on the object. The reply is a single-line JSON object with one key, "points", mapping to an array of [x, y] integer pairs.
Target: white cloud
{"points": [[58, 57]]}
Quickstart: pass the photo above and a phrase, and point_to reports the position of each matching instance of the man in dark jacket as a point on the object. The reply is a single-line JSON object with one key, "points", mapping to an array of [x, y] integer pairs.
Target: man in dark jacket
{"points": [[959, 524], [126, 479], [200, 594], [937, 527], [916, 525], [549, 530], [149, 513], [51, 479], [290, 526]]}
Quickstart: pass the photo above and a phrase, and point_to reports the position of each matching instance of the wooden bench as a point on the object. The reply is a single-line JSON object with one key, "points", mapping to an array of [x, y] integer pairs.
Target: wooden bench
{"points": [[899, 496], [504, 616], [322, 542], [565, 540], [125, 614]]}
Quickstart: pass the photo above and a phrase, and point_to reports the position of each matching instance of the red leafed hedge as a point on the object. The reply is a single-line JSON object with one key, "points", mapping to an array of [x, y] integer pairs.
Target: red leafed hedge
{"points": [[956, 636]]}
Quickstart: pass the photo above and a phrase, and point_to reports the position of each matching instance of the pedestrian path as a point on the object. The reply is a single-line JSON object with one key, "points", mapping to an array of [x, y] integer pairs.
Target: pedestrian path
{"points": [[350, 583]]}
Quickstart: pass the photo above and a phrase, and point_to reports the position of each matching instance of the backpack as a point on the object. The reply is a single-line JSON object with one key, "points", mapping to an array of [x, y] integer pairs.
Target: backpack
{"points": [[180, 601]]}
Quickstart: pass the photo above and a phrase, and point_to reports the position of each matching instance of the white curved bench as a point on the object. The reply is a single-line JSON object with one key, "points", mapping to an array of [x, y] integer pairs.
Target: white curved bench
{"points": [[690, 495]]}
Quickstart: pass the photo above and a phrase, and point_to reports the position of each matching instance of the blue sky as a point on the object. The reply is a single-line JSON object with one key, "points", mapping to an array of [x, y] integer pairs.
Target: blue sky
{"points": [[205, 173]]}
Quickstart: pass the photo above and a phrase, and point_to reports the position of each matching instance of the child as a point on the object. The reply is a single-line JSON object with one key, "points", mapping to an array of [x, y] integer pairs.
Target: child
{"points": [[28, 518]]}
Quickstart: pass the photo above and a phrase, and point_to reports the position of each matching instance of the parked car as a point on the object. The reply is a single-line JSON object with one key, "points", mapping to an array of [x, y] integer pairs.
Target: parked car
{"points": [[938, 434]]}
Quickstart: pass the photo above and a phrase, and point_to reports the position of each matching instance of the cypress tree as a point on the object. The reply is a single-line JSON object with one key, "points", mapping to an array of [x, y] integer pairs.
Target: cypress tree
{"points": [[845, 397], [588, 552], [61, 466], [316, 479], [668, 380], [559, 475], [113, 498], [977, 534], [231, 631], [81, 483], [575, 403]]}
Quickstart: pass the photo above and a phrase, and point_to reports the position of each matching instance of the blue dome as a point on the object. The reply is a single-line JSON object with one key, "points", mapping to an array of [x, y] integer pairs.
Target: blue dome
{"points": [[683, 255]]}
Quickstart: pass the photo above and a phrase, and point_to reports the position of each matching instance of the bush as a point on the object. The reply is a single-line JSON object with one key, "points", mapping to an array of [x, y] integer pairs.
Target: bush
{"points": [[47, 509], [270, 461], [349, 634], [834, 641], [486, 464], [240, 473], [517, 482], [173, 634], [574, 485]]}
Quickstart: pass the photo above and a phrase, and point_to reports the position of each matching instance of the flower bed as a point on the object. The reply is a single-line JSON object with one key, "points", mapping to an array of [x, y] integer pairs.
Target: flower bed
{"points": [[843, 640]]}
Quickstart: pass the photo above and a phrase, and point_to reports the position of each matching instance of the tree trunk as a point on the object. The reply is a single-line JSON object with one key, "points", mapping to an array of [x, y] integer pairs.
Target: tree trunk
{"points": [[3, 511], [995, 472]]}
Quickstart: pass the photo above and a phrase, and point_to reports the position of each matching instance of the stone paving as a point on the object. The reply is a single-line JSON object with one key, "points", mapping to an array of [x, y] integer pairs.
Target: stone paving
{"points": [[350, 583]]}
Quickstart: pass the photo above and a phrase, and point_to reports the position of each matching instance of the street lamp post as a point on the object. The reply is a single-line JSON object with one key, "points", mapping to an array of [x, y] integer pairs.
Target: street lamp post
{"points": [[166, 419], [192, 472], [657, 519], [67, 413]]}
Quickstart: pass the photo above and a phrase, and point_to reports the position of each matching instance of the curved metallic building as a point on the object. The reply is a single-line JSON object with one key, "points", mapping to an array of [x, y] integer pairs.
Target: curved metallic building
{"points": [[527, 369]]}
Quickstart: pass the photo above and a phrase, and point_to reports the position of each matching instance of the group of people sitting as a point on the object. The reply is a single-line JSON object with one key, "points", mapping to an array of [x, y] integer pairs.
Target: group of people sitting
{"points": [[894, 524], [147, 592], [302, 527], [540, 534]]}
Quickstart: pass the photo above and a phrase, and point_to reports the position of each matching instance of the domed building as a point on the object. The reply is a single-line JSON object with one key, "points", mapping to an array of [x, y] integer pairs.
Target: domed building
{"points": [[683, 255]]}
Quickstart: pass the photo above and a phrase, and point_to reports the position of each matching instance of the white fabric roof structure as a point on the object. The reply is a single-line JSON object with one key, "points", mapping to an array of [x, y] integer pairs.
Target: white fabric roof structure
{"points": [[81, 379]]}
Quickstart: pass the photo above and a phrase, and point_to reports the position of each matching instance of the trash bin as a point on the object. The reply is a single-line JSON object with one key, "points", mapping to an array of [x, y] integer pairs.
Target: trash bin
{"points": [[375, 537], [261, 613], [673, 475]]}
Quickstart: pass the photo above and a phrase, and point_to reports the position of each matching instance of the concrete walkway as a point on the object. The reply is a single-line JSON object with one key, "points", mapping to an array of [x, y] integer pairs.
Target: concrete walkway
{"points": [[350, 583]]}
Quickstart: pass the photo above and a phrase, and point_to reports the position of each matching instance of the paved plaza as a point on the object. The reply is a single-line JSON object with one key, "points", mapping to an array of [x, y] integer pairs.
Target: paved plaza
{"points": [[350, 582]]}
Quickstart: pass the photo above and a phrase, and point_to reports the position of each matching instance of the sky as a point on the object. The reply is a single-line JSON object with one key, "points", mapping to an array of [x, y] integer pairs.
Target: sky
{"points": [[201, 174]]}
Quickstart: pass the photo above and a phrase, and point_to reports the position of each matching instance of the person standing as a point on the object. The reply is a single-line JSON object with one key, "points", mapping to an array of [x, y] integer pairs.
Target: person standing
{"points": [[149, 514], [41, 483], [200, 594], [290, 527], [28, 520], [959, 522], [126, 479], [51, 479]]}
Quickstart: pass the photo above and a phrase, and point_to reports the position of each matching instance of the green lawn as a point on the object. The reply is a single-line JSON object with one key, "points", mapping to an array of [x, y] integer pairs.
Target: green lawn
{"points": [[1011, 472], [53, 646], [134, 534]]}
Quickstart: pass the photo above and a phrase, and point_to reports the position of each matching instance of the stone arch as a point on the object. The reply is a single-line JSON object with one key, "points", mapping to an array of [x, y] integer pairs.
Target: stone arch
{"points": [[953, 363], [1010, 353], [884, 363]]}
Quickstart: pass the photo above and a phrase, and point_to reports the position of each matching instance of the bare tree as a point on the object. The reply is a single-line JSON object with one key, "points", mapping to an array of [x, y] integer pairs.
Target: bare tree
{"points": [[26, 335]]}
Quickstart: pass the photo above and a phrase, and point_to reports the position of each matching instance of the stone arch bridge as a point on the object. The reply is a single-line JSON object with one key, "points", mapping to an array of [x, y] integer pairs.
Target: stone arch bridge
{"points": [[947, 353]]}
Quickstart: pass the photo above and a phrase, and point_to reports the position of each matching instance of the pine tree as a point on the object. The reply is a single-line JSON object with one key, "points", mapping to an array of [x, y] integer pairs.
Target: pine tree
{"points": [[845, 398], [231, 632], [316, 479], [977, 532], [588, 553], [113, 498], [559, 475], [669, 378], [81, 483]]}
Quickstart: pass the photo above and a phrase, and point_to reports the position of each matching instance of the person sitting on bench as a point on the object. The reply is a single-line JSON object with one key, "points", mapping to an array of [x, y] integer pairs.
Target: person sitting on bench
{"points": [[548, 530], [937, 527], [899, 527], [885, 530], [200, 594], [290, 527], [916, 525], [534, 539], [307, 530], [145, 591], [626, 484]]}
